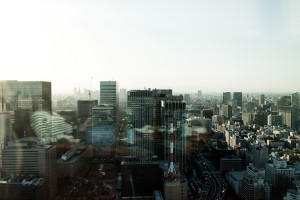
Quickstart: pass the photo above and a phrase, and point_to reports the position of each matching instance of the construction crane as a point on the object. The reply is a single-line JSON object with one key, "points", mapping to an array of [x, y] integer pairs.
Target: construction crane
{"points": [[90, 92]]}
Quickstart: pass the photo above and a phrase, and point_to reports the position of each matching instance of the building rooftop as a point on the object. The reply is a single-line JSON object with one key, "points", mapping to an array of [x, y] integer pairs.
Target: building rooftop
{"points": [[23, 180], [237, 175]]}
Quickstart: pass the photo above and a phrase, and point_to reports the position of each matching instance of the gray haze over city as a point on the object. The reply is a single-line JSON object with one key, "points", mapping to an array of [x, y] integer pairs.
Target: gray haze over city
{"points": [[214, 46]]}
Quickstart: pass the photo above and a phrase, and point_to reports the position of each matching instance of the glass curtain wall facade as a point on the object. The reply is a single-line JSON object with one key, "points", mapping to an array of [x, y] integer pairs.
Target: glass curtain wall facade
{"points": [[140, 113], [109, 93], [103, 129], [174, 112]]}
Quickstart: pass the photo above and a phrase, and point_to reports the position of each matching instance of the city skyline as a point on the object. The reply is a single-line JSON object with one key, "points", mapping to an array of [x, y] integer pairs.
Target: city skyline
{"points": [[249, 46]]}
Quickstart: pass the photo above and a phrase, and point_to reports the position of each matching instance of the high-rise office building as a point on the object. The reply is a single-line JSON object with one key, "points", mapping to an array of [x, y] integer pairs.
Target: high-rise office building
{"points": [[84, 117], [187, 98], [261, 100], [103, 129], [247, 118], [199, 93], [295, 99], [29, 95], [260, 156], [84, 109], [275, 120], [206, 124], [207, 113], [160, 95], [109, 93], [289, 115], [174, 112], [226, 111], [238, 97], [226, 97], [260, 118], [158, 134], [27, 156], [140, 106], [285, 101], [254, 186], [123, 98]]}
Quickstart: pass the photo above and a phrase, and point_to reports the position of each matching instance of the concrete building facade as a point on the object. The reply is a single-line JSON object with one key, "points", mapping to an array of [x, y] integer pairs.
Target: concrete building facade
{"points": [[27, 156]]}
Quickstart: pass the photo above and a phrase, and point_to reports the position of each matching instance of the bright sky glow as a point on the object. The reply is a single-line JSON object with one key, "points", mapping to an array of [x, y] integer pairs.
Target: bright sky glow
{"points": [[215, 45]]}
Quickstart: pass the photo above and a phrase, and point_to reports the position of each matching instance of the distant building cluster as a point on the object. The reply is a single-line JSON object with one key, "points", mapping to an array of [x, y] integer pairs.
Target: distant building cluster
{"points": [[158, 144]]}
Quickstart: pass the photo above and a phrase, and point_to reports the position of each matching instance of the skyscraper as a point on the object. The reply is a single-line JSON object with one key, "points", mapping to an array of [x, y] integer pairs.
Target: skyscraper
{"points": [[109, 93], [84, 109], [261, 100], [290, 115], [207, 113], [199, 93], [260, 157], [226, 97], [103, 129], [173, 112], [84, 116], [160, 95], [274, 120], [227, 111], [140, 107], [238, 97], [285, 101], [123, 98], [295, 100]]}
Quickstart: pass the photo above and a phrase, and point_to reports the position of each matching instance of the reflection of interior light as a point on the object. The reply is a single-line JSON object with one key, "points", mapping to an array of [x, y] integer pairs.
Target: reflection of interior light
{"points": [[50, 128]]}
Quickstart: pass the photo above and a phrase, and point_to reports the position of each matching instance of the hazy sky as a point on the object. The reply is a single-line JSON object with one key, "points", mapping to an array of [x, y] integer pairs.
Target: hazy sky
{"points": [[215, 45]]}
